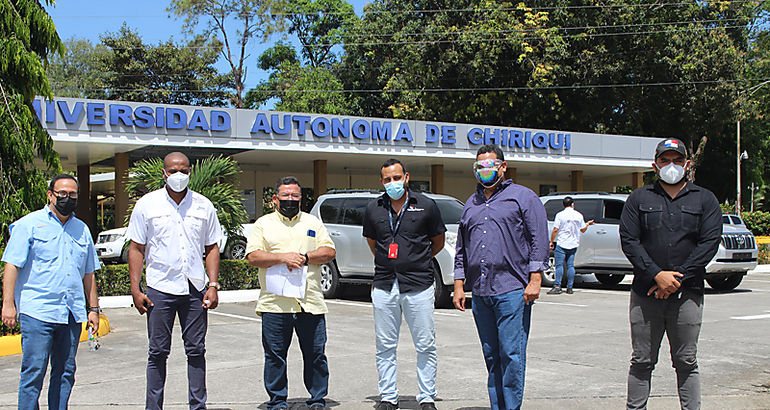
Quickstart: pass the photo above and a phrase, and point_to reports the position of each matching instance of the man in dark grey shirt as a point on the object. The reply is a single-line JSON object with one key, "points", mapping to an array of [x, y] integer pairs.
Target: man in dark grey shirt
{"points": [[669, 230]]}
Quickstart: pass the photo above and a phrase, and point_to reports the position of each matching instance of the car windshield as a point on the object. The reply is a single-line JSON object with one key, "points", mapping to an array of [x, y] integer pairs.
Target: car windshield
{"points": [[451, 210]]}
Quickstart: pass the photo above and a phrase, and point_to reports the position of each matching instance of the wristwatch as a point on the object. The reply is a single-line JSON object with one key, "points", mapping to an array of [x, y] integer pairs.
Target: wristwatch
{"points": [[214, 285], [94, 309], [307, 260]]}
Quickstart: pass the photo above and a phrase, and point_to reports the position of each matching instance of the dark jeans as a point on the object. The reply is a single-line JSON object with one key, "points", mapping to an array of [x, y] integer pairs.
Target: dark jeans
{"points": [[680, 319], [194, 320], [41, 342], [277, 331]]}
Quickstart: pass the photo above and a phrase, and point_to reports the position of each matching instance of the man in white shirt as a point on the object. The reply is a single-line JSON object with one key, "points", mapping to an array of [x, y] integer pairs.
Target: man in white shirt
{"points": [[567, 227], [173, 229]]}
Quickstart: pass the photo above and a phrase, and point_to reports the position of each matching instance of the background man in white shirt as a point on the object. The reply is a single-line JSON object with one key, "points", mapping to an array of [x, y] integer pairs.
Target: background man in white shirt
{"points": [[567, 227], [172, 229]]}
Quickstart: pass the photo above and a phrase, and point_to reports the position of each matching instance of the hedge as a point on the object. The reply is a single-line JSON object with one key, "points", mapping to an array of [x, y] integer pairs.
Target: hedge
{"points": [[113, 280], [758, 222]]}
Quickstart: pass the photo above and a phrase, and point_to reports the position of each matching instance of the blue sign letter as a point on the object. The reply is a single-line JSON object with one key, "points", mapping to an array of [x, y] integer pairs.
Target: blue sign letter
{"points": [[220, 121], [175, 118], [475, 136], [340, 128], [198, 120], [403, 132], [261, 124], [95, 113], [143, 117], [381, 131], [540, 140], [431, 133], [276, 124], [121, 112], [448, 134], [301, 121], [318, 130], [70, 117], [360, 133]]}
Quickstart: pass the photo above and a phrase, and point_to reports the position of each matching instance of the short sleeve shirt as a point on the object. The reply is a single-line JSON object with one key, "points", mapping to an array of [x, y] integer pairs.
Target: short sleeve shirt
{"points": [[52, 259], [413, 266], [175, 237], [568, 222], [304, 233]]}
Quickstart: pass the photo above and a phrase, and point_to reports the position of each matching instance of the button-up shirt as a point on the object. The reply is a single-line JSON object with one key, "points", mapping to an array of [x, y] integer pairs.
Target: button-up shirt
{"points": [[303, 233], [52, 259], [413, 265], [569, 222], [501, 240], [660, 233], [175, 237]]}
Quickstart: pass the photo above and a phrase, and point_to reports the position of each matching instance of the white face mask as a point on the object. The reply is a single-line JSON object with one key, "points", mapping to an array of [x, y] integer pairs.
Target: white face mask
{"points": [[671, 173], [177, 181]]}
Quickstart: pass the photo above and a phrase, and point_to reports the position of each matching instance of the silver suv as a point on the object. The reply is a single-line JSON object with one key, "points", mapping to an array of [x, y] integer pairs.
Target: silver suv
{"points": [[600, 253], [342, 212]]}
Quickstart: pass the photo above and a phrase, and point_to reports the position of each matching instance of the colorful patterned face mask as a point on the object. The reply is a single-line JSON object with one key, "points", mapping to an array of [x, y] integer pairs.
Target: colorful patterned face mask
{"points": [[487, 171]]}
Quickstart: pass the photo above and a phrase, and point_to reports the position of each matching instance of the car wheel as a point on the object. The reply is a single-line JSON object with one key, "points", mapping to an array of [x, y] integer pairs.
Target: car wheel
{"points": [[608, 279], [330, 281], [442, 293], [549, 275], [725, 282], [124, 254], [235, 249]]}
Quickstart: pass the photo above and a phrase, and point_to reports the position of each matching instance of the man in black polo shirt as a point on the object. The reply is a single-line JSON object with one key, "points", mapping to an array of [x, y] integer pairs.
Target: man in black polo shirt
{"points": [[669, 231], [404, 231]]}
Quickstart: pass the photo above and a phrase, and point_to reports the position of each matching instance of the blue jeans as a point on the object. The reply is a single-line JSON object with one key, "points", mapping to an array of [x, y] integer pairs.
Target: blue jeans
{"points": [[41, 341], [417, 309], [560, 256], [193, 320], [277, 331], [503, 325]]}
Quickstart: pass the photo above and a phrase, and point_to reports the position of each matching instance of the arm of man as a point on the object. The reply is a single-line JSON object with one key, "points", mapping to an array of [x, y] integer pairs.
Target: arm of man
{"points": [[10, 273], [135, 265], [372, 244], [458, 296], [436, 244], [324, 254], [265, 259], [553, 236], [536, 221], [708, 239], [211, 253], [630, 242], [585, 228], [89, 285]]}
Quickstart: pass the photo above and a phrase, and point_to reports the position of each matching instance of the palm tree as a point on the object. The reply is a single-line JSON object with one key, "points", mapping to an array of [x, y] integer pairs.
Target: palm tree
{"points": [[215, 177]]}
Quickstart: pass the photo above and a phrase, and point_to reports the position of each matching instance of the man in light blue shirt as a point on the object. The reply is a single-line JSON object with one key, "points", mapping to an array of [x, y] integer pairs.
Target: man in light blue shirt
{"points": [[49, 265]]}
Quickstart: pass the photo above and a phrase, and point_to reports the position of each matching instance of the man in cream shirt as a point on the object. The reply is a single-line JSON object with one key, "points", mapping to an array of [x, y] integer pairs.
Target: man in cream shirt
{"points": [[173, 229], [296, 239]]}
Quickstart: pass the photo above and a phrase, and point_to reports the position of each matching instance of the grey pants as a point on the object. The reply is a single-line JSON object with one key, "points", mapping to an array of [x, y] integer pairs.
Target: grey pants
{"points": [[680, 319]]}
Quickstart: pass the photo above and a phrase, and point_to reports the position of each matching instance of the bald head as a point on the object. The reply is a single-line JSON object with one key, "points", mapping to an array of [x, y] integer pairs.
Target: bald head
{"points": [[176, 158]]}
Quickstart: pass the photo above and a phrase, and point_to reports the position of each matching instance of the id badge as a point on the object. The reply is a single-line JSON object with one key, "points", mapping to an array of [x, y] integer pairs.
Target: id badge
{"points": [[393, 251]]}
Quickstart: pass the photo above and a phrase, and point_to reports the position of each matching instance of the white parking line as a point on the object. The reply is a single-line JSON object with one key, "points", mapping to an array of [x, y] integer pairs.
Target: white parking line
{"points": [[253, 319], [337, 302], [542, 302], [753, 317], [445, 314], [756, 280], [605, 292]]}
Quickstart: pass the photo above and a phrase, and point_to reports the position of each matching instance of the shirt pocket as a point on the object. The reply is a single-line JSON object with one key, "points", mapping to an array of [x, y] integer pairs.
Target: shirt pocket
{"points": [[161, 228], [194, 225], [691, 219], [45, 245], [651, 215], [80, 252]]}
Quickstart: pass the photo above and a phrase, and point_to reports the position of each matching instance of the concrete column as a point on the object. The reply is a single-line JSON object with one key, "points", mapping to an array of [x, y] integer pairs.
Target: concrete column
{"points": [[121, 194], [637, 180], [576, 181], [510, 173], [437, 178], [84, 211], [319, 177]]}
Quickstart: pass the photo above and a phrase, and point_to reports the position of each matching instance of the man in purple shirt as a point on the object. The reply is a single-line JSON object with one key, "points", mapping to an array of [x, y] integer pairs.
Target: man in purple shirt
{"points": [[502, 249]]}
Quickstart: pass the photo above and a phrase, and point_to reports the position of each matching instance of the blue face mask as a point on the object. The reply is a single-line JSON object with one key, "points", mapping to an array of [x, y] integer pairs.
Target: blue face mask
{"points": [[395, 189]]}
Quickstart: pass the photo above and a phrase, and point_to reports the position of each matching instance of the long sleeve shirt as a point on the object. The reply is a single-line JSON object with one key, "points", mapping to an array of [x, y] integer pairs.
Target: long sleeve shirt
{"points": [[680, 234], [501, 240]]}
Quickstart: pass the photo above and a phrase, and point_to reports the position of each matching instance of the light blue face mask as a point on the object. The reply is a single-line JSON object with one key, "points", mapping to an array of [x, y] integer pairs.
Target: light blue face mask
{"points": [[395, 189]]}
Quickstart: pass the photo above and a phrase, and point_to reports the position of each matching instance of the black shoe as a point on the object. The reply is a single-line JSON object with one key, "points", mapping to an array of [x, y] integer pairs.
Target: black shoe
{"points": [[386, 405], [569, 291], [555, 291], [428, 405], [317, 406]]}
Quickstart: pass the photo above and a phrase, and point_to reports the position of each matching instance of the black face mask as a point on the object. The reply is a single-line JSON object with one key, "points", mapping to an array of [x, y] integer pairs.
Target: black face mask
{"points": [[65, 205], [288, 207]]}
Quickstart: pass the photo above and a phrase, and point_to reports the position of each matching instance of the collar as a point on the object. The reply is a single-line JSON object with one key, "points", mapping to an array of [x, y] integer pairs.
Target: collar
{"points": [[384, 199], [52, 215], [283, 218], [502, 185], [658, 188], [187, 197]]}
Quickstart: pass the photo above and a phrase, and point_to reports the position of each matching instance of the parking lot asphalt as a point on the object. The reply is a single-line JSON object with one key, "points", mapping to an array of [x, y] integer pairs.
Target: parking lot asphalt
{"points": [[578, 357]]}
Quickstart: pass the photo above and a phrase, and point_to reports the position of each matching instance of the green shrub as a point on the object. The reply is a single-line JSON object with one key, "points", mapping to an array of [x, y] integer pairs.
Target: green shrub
{"points": [[764, 254], [758, 222]]}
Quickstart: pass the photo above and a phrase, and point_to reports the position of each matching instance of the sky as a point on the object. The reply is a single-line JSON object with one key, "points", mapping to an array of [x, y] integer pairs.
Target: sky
{"points": [[87, 19]]}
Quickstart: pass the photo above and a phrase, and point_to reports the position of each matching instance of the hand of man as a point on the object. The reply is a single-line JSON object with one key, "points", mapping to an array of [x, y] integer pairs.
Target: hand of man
{"points": [[551, 245], [294, 260], [93, 321], [141, 301], [532, 291], [591, 222], [9, 314], [211, 298], [666, 283], [458, 298]]}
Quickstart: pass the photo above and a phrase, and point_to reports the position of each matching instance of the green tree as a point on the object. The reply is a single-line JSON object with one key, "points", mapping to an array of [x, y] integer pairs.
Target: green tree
{"points": [[169, 73], [215, 177], [80, 72], [320, 25], [27, 40], [254, 19]]}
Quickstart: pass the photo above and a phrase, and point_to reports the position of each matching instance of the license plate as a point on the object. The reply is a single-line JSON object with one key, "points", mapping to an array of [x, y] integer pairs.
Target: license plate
{"points": [[742, 256]]}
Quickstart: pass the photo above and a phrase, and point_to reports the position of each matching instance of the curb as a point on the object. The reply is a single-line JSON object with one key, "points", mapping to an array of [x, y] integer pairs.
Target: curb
{"points": [[10, 345]]}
